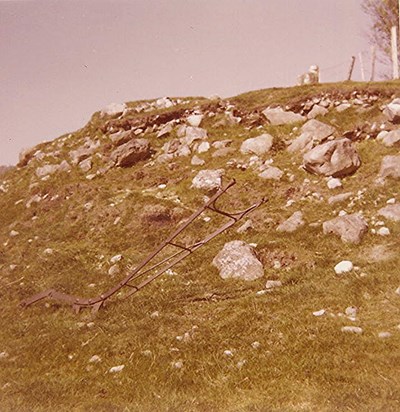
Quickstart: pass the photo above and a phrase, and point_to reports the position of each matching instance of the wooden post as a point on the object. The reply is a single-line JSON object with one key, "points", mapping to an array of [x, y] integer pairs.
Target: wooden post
{"points": [[353, 60], [373, 58], [395, 59], [361, 66]]}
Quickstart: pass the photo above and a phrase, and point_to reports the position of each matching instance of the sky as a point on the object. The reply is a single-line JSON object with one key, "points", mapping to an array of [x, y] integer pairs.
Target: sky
{"points": [[60, 61]]}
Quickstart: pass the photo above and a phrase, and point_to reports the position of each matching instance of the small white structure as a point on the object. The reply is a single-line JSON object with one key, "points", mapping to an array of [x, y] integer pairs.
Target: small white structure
{"points": [[311, 77]]}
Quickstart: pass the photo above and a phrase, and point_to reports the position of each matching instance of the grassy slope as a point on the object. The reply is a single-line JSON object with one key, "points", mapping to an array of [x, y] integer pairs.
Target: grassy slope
{"points": [[303, 362]]}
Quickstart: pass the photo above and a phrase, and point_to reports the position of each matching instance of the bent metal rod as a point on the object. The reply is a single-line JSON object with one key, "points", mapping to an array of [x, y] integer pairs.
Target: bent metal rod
{"points": [[146, 266]]}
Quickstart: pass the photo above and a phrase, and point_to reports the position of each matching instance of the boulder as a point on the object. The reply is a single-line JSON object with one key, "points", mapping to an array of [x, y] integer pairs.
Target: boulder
{"points": [[271, 173], [237, 260], [293, 223], [83, 152], [390, 167], [278, 116], [339, 198], [350, 228], [194, 120], [336, 158], [317, 110], [392, 111], [132, 152], [392, 138], [257, 145], [192, 133], [313, 132], [208, 179], [391, 212], [165, 130], [114, 109], [121, 137], [196, 161]]}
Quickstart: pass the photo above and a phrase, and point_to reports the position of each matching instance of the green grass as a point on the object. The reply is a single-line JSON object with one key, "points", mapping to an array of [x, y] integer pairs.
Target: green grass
{"points": [[303, 363]]}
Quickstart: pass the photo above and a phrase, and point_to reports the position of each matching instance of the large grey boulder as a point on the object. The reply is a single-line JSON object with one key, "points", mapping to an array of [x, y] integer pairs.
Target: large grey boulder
{"points": [[392, 111], [336, 158], [313, 132], [392, 138], [278, 116], [132, 152], [350, 228], [84, 151], [259, 145], [208, 179], [292, 224], [390, 167], [391, 212], [237, 260]]}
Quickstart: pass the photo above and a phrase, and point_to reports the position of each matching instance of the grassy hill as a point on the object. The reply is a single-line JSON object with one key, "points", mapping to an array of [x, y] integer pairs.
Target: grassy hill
{"points": [[191, 341]]}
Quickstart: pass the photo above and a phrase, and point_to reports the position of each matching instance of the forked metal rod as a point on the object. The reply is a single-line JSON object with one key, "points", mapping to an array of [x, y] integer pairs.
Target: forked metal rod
{"points": [[96, 302]]}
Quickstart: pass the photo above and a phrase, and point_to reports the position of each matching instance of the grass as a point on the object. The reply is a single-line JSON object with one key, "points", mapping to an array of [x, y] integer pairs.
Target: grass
{"points": [[303, 362]]}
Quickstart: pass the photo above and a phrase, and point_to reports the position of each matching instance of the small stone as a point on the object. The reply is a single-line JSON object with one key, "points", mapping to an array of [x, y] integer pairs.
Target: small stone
{"points": [[320, 312], [203, 147], [116, 369], [391, 201], [146, 353], [162, 186], [384, 335], [256, 345], [240, 364], [116, 259], [196, 161], [4, 355], [351, 311], [155, 314], [248, 224], [383, 231], [352, 329], [48, 251], [334, 183], [95, 359], [397, 291], [228, 353], [114, 270], [14, 233], [273, 284], [178, 364], [343, 267]]}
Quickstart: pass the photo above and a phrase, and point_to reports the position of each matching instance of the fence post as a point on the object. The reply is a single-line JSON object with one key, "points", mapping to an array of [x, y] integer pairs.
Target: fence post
{"points": [[395, 59], [353, 60]]}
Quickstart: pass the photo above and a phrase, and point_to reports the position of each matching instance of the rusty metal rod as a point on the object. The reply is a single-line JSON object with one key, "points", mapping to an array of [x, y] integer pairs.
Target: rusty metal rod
{"points": [[96, 302]]}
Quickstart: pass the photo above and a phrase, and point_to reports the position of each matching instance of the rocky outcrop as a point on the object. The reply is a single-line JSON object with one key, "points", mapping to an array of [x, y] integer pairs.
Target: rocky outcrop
{"points": [[132, 152], [337, 158], [350, 228], [312, 132], [237, 260]]}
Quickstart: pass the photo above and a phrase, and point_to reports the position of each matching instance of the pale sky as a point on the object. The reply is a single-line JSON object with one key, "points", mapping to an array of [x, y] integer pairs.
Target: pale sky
{"points": [[60, 61]]}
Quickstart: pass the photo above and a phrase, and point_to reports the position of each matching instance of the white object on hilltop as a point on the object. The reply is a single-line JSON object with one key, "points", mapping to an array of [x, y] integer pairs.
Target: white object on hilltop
{"points": [[343, 267]]}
